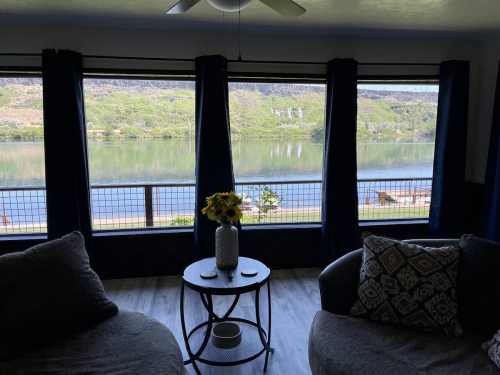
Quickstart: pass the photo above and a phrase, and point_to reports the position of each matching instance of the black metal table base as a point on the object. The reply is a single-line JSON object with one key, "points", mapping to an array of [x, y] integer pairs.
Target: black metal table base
{"points": [[264, 336]]}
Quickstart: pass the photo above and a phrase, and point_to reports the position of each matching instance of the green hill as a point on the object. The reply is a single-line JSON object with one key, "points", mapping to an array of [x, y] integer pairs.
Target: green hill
{"points": [[143, 109]]}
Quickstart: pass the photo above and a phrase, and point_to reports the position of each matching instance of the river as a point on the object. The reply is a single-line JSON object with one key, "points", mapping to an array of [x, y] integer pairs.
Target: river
{"points": [[170, 161]]}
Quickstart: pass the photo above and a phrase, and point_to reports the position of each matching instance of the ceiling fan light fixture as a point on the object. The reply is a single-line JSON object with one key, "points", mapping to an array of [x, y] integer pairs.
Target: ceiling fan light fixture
{"points": [[229, 5], [287, 8]]}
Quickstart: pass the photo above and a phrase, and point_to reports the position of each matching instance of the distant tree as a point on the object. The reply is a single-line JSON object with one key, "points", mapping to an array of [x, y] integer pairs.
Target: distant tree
{"points": [[268, 200]]}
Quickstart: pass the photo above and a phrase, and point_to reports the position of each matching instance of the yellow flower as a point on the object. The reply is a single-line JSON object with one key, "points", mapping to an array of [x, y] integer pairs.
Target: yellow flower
{"points": [[233, 214], [224, 196], [223, 207]]}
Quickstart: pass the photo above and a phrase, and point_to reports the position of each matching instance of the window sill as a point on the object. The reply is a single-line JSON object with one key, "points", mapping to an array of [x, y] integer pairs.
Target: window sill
{"points": [[291, 226], [362, 224], [23, 237], [378, 223], [141, 232]]}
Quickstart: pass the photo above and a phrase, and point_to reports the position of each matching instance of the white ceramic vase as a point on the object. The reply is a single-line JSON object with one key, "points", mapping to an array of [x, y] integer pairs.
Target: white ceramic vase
{"points": [[226, 247]]}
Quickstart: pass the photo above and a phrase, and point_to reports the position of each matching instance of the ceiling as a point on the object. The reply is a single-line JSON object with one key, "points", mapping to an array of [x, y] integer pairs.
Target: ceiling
{"points": [[414, 15]]}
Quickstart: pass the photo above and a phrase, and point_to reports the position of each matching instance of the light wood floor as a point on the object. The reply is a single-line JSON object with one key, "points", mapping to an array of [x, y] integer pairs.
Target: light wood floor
{"points": [[295, 300]]}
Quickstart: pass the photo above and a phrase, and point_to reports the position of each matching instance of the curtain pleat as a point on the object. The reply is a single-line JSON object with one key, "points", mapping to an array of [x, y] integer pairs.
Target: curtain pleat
{"points": [[66, 169], [492, 187], [214, 167], [340, 228], [448, 185]]}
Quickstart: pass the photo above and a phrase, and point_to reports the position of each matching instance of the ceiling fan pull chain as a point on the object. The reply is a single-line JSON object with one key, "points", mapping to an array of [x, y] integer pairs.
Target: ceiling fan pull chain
{"points": [[239, 33]]}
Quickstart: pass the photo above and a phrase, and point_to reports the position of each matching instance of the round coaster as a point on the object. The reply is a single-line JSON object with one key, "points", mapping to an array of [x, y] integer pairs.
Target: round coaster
{"points": [[249, 272], [208, 275]]}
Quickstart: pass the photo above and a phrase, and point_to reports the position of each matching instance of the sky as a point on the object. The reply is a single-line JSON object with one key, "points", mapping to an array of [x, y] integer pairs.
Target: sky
{"points": [[401, 87]]}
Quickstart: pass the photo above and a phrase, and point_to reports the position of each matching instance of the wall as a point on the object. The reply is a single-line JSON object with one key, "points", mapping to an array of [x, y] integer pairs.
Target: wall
{"points": [[400, 46]]}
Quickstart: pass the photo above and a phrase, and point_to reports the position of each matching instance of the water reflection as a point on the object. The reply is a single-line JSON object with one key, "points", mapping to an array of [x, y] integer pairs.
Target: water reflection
{"points": [[21, 163]]}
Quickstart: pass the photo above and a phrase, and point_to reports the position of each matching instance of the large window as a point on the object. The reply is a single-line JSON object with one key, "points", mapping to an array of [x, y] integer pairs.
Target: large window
{"points": [[141, 152], [141, 139], [22, 170], [395, 141], [277, 132]]}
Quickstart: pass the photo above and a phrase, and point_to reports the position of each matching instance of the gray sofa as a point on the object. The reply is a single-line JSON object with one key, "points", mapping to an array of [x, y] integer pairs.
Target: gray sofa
{"points": [[340, 344], [127, 343], [55, 318]]}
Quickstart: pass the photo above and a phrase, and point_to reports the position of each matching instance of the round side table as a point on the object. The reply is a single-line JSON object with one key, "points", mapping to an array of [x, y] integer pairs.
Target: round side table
{"points": [[224, 285]]}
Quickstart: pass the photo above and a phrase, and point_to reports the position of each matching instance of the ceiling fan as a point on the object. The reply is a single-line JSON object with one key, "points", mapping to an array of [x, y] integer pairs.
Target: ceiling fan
{"points": [[283, 7]]}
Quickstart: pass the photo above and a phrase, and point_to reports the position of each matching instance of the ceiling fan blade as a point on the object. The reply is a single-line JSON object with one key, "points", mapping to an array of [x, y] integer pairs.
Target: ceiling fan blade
{"points": [[285, 7], [182, 6]]}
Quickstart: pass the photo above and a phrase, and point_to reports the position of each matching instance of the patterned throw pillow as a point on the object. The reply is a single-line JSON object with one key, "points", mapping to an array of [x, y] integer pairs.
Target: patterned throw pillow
{"points": [[492, 347], [409, 285]]}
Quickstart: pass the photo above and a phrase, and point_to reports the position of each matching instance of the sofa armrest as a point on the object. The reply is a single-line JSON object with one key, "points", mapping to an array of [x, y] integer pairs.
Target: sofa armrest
{"points": [[338, 283]]}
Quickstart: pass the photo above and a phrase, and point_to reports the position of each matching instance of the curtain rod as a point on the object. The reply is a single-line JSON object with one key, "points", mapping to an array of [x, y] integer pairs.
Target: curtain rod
{"points": [[281, 62]]}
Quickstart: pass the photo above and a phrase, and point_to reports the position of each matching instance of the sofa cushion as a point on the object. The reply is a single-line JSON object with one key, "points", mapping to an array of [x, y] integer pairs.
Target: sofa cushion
{"points": [[341, 345], [479, 284], [492, 347], [128, 343], [409, 285], [48, 291]]}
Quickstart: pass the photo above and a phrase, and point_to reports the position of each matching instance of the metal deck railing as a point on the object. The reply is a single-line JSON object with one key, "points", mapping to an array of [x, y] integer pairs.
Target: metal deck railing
{"points": [[133, 206]]}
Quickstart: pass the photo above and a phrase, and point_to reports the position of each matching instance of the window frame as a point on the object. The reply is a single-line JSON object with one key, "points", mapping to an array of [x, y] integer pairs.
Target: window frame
{"points": [[285, 79], [432, 79], [146, 75], [26, 72]]}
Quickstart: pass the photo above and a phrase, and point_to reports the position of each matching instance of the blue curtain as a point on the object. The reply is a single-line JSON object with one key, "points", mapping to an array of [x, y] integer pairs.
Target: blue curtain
{"points": [[340, 228], [66, 169], [448, 185], [492, 188], [214, 167]]}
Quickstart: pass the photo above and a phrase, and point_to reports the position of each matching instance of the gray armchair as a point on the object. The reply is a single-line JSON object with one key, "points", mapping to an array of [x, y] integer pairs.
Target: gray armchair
{"points": [[342, 345]]}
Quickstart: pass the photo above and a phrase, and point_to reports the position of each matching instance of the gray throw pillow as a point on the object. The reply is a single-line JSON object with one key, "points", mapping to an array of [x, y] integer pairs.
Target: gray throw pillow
{"points": [[46, 292], [409, 285], [492, 347]]}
